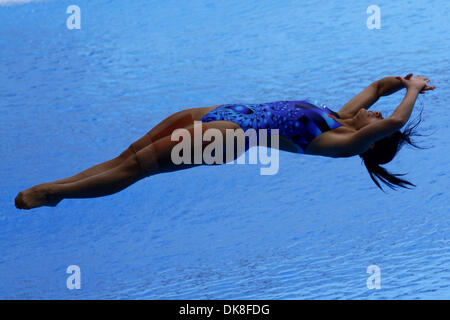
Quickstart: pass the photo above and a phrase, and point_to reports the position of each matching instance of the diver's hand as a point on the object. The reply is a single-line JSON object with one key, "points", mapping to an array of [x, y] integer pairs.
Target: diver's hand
{"points": [[418, 82], [426, 88]]}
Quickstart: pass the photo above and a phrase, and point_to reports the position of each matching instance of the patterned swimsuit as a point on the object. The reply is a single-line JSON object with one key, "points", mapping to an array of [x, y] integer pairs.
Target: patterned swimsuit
{"points": [[300, 121]]}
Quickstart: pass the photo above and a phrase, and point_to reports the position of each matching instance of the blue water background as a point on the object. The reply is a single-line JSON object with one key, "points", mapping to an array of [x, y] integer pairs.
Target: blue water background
{"points": [[72, 98]]}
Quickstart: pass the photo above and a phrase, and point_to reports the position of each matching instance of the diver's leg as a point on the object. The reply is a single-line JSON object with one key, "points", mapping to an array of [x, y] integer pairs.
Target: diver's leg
{"points": [[151, 160], [105, 183], [157, 157], [96, 169], [180, 119]]}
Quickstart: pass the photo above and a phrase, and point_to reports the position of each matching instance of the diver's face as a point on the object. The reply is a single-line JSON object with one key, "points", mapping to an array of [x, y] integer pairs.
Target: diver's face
{"points": [[365, 117]]}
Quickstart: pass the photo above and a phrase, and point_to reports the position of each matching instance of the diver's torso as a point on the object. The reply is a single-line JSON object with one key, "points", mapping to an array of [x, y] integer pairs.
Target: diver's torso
{"points": [[301, 122]]}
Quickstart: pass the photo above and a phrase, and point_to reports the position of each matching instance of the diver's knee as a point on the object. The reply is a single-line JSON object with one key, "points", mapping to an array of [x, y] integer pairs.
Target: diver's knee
{"points": [[129, 152], [132, 165], [147, 160]]}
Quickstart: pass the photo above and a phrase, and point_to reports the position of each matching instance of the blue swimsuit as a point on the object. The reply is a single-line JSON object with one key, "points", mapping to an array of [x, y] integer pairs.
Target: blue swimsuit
{"points": [[300, 121]]}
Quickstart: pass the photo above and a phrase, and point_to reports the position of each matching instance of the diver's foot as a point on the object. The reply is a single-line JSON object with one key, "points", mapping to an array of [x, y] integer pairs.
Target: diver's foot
{"points": [[37, 196]]}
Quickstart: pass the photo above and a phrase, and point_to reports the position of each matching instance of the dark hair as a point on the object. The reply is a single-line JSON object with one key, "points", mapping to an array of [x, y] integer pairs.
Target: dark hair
{"points": [[384, 151]]}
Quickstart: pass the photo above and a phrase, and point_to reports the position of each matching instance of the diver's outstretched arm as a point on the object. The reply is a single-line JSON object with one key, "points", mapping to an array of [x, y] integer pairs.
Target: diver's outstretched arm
{"points": [[390, 85], [366, 98]]}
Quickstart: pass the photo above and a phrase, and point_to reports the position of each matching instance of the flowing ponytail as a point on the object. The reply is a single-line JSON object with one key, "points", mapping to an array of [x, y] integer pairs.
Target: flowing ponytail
{"points": [[390, 179], [385, 150]]}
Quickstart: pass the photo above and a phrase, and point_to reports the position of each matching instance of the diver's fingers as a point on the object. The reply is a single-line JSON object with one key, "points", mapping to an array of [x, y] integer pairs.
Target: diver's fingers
{"points": [[427, 88]]}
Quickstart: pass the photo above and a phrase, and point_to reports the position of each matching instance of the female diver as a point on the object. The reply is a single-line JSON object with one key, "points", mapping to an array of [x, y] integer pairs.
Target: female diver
{"points": [[303, 128]]}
